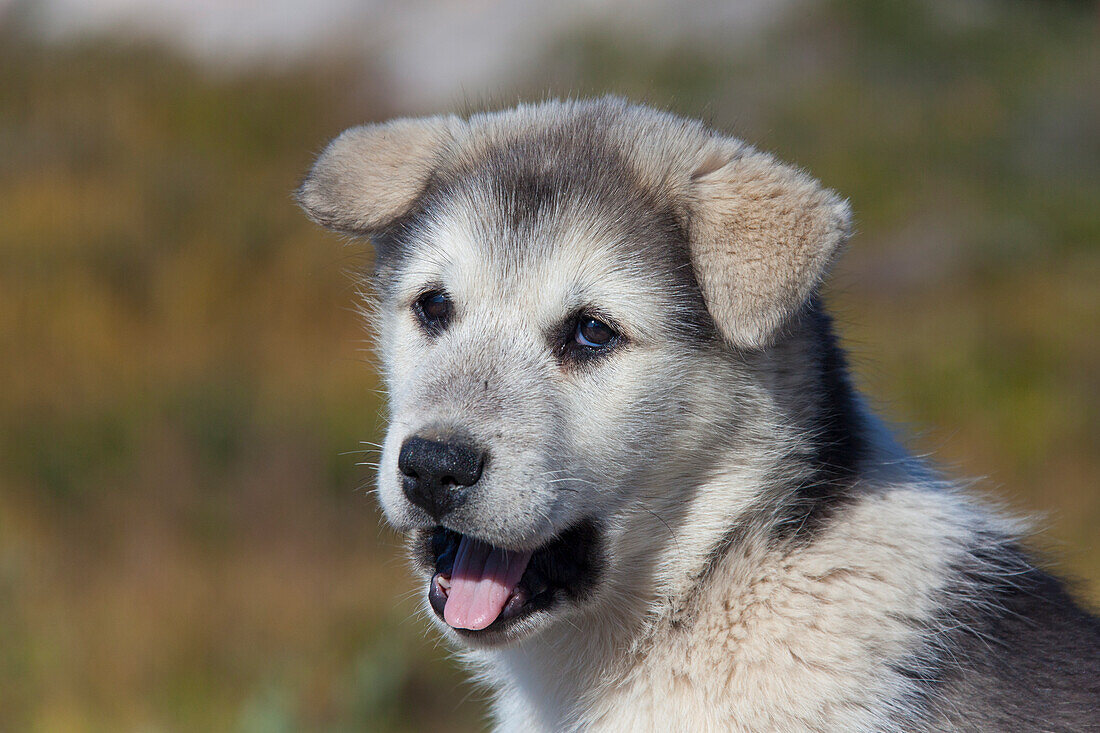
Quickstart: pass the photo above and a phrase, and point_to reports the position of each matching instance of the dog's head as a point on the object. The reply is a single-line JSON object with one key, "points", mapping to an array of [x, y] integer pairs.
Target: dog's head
{"points": [[558, 285]]}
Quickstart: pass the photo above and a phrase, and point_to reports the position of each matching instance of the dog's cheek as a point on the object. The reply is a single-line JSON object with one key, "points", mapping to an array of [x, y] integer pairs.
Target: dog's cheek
{"points": [[617, 412], [401, 351], [408, 360]]}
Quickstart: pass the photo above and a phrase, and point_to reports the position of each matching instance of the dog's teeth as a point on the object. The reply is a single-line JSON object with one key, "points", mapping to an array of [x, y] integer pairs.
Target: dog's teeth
{"points": [[444, 582]]}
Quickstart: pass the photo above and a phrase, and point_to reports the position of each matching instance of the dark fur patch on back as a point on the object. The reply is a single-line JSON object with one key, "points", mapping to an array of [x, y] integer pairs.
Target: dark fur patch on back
{"points": [[1010, 650]]}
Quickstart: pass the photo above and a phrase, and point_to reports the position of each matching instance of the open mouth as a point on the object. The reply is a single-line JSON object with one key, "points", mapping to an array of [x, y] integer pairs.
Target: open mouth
{"points": [[479, 589]]}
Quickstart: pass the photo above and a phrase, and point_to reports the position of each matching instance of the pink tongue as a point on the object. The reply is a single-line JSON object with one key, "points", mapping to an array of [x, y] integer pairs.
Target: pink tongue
{"points": [[482, 580]]}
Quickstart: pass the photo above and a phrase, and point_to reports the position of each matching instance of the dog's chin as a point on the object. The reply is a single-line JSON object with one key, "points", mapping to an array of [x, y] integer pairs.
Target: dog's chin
{"points": [[561, 573]]}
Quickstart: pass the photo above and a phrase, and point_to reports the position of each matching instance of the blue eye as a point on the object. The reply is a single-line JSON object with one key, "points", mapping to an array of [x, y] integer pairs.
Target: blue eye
{"points": [[594, 332]]}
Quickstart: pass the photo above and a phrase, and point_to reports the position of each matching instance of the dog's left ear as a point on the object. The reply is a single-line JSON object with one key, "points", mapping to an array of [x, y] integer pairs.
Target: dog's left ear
{"points": [[371, 175], [763, 235]]}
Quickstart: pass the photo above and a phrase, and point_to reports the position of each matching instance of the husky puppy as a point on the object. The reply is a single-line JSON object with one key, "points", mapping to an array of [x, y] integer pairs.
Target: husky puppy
{"points": [[635, 478]]}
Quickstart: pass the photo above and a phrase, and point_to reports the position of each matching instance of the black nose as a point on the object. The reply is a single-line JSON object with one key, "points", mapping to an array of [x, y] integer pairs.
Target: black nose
{"points": [[437, 473]]}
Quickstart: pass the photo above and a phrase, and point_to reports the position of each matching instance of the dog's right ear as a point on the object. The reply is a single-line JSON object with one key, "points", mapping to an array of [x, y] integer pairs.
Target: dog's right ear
{"points": [[369, 176], [763, 236]]}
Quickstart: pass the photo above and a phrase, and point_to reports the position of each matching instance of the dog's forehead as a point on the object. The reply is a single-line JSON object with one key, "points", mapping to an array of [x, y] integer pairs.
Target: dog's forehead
{"points": [[554, 221]]}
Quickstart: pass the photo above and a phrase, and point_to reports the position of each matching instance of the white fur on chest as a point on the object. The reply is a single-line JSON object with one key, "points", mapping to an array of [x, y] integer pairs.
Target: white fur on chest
{"points": [[812, 639]]}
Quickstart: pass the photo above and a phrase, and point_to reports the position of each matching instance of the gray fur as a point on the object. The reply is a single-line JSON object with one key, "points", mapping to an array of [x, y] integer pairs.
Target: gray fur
{"points": [[758, 554]]}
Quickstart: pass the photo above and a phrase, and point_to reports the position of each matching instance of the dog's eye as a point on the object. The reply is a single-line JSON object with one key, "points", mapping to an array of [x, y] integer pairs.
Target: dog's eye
{"points": [[594, 332], [434, 308], [586, 339]]}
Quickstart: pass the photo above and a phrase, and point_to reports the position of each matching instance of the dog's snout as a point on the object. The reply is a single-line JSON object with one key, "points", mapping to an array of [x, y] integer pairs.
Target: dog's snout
{"points": [[436, 474]]}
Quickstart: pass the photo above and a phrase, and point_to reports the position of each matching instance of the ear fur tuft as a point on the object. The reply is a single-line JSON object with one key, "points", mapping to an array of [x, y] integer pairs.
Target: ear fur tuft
{"points": [[371, 175], [763, 235]]}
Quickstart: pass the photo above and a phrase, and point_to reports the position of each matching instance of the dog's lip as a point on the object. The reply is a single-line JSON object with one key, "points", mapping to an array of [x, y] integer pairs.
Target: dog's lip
{"points": [[530, 593], [562, 567]]}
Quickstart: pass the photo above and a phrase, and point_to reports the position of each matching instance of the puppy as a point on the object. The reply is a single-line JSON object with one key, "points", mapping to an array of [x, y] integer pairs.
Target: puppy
{"points": [[637, 483]]}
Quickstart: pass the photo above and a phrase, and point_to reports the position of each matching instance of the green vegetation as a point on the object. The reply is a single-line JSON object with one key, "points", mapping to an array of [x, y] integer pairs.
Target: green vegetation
{"points": [[186, 542]]}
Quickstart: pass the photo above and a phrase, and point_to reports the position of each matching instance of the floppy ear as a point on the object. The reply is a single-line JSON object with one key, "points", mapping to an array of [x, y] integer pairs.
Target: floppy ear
{"points": [[762, 237], [371, 175]]}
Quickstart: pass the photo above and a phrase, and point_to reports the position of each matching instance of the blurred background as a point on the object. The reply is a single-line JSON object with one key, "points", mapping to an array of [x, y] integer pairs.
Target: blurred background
{"points": [[187, 539]]}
